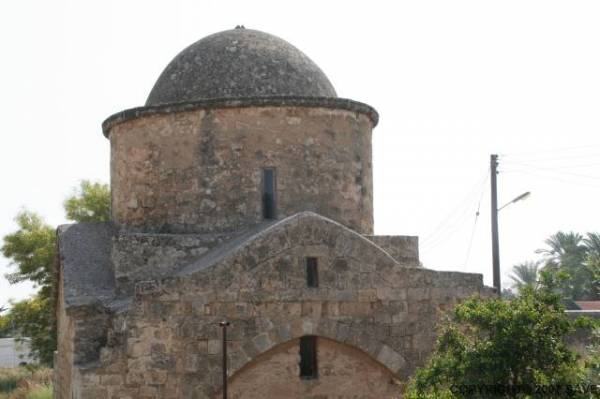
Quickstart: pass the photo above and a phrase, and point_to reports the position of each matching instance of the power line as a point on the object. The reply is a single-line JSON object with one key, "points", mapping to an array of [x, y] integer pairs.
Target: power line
{"points": [[456, 218], [577, 183], [449, 225], [564, 166], [552, 169], [559, 149], [474, 226], [556, 158], [453, 219], [448, 232], [448, 222]]}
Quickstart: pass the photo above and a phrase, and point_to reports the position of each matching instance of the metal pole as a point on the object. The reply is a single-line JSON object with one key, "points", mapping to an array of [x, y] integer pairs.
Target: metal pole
{"points": [[495, 243], [224, 325]]}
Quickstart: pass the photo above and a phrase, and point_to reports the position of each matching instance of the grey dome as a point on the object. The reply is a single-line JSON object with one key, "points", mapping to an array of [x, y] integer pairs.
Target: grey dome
{"points": [[239, 63]]}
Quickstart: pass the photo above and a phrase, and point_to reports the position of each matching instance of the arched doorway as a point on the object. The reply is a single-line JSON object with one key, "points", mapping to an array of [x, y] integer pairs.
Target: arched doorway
{"points": [[341, 371]]}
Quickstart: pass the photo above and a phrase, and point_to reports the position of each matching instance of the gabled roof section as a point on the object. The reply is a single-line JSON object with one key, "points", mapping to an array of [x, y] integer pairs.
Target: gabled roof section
{"points": [[85, 264], [272, 232]]}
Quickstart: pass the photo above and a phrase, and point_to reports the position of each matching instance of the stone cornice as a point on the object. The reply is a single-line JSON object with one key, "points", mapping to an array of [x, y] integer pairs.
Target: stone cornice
{"points": [[332, 103]]}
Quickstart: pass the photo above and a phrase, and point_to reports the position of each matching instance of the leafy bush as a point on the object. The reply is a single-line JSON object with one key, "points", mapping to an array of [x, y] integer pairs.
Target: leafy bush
{"points": [[508, 346]]}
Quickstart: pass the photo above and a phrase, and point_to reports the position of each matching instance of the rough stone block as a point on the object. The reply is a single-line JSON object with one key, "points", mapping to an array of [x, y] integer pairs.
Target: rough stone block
{"points": [[355, 308], [391, 359], [368, 295], [190, 362], [214, 346], [111, 380], [262, 342]]}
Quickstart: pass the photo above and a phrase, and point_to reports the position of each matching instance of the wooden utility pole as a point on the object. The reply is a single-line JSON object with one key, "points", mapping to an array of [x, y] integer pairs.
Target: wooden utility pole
{"points": [[495, 243]]}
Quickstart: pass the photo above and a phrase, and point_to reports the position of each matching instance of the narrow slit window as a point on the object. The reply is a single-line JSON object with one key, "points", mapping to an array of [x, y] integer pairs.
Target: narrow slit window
{"points": [[308, 357], [268, 199], [312, 272]]}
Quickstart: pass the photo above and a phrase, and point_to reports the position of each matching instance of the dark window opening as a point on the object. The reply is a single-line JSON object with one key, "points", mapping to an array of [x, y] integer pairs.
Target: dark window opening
{"points": [[312, 272], [308, 357], [268, 198]]}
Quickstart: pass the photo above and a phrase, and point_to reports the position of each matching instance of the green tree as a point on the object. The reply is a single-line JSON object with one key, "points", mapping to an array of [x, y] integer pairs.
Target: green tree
{"points": [[592, 262], [593, 360], [507, 293], [90, 202], [32, 251], [34, 318], [525, 274], [567, 253], [504, 346], [592, 242]]}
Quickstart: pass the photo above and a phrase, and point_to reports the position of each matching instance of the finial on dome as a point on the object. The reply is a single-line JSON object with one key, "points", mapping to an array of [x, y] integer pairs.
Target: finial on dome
{"points": [[240, 27]]}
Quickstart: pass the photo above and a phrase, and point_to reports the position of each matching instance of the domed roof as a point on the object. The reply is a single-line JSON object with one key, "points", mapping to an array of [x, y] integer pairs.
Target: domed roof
{"points": [[239, 63]]}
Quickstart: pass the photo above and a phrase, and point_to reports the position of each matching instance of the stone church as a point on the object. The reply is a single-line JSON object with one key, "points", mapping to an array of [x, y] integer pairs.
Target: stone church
{"points": [[243, 191]]}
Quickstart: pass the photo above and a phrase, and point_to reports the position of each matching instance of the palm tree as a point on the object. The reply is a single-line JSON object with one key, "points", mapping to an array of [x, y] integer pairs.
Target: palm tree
{"points": [[563, 248], [592, 262], [592, 243], [567, 252], [525, 274]]}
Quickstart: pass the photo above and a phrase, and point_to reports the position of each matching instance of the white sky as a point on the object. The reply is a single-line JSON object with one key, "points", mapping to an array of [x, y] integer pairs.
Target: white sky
{"points": [[453, 81]]}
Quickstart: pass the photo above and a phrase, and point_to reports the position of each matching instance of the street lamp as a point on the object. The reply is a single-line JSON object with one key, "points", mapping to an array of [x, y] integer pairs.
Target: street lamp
{"points": [[495, 210], [519, 198]]}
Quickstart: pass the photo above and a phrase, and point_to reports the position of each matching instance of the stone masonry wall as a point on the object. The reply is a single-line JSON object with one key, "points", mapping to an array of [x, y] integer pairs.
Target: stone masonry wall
{"points": [[201, 171], [168, 344], [63, 363], [153, 256], [405, 249]]}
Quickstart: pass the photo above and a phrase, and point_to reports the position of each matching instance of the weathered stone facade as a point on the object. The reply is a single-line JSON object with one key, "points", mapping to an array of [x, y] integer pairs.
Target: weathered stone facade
{"points": [[140, 298], [200, 171]]}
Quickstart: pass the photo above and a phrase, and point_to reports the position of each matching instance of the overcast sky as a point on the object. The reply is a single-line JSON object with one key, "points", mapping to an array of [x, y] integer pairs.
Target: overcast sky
{"points": [[453, 81]]}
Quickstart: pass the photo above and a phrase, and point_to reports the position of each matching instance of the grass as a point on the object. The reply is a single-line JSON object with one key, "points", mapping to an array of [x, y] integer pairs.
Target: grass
{"points": [[25, 383], [9, 378], [44, 392]]}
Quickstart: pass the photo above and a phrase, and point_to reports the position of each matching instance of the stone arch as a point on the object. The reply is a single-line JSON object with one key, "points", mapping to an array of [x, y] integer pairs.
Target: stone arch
{"points": [[343, 368], [338, 331]]}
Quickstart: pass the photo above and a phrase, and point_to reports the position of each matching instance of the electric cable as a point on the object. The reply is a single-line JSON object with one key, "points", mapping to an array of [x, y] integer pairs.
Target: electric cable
{"points": [[456, 218], [528, 172], [559, 149], [551, 169], [453, 218], [474, 225]]}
